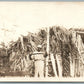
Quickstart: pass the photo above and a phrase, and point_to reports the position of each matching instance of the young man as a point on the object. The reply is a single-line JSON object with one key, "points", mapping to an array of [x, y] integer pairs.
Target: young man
{"points": [[38, 58]]}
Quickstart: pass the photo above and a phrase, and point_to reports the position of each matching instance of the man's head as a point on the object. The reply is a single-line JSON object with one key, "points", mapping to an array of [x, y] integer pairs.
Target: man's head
{"points": [[39, 47]]}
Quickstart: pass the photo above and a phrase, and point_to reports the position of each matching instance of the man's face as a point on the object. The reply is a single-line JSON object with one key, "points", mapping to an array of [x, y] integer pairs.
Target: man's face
{"points": [[39, 49]]}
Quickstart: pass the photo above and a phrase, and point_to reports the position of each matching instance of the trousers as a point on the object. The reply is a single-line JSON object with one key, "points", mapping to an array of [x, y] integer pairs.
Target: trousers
{"points": [[39, 68]]}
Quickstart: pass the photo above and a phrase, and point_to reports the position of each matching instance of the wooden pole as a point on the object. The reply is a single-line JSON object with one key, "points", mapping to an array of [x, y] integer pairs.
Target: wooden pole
{"points": [[47, 52], [22, 42], [48, 41]]}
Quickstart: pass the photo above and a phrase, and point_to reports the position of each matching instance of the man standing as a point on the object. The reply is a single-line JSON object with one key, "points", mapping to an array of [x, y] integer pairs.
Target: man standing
{"points": [[38, 58]]}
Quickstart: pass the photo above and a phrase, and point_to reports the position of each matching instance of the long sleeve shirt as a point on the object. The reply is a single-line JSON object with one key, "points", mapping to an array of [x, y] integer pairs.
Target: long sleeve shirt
{"points": [[38, 56]]}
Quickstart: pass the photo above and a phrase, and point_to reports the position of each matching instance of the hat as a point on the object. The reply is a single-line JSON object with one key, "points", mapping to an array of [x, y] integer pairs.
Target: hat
{"points": [[39, 46]]}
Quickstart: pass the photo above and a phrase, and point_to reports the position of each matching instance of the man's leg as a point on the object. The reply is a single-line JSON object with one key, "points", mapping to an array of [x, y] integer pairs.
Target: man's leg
{"points": [[41, 68], [36, 68]]}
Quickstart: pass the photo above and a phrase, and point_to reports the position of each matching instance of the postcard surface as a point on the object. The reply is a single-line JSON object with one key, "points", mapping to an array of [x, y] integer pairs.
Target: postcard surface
{"points": [[42, 41]]}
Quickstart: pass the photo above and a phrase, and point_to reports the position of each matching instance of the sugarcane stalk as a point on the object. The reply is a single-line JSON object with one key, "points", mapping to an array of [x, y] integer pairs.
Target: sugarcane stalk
{"points": [[46, 65], [21, 38]]}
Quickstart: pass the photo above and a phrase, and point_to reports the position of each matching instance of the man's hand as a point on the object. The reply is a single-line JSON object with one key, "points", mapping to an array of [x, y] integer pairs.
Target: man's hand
{"points": [[45, 54], [30, 56]]}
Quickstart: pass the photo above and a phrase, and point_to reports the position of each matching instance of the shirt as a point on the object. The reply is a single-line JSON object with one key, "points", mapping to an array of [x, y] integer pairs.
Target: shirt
{"points": [[38, 56]]}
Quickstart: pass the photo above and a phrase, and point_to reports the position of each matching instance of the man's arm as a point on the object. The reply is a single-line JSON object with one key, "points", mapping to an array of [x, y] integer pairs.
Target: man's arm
{"points": [[30, 56], [45, 54]]}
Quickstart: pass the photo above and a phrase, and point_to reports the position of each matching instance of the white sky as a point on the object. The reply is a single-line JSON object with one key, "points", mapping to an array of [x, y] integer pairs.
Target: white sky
{"points": [[20, 17]]}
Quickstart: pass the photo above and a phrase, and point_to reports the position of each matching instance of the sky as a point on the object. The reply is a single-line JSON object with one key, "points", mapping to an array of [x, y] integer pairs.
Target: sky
{"points": [[19, 18]]}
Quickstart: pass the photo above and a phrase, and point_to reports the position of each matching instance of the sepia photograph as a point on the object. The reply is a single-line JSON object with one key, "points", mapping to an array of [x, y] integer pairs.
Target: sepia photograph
{"points": [[42, 41]]}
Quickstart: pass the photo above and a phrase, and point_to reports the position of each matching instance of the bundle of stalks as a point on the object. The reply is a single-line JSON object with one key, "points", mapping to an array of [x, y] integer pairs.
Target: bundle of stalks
{"points": [[61, 42]]}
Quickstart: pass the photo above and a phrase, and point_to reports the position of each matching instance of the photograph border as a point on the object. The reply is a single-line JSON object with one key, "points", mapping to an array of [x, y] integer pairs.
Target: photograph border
{"points": [[49, 81]]}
